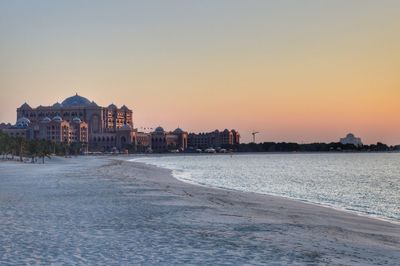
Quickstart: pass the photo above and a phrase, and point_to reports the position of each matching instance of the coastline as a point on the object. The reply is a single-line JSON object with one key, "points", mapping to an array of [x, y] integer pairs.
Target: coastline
{"points": [[165, 220], [343, 224], [335, 208], [324, 205], [178, 174]]}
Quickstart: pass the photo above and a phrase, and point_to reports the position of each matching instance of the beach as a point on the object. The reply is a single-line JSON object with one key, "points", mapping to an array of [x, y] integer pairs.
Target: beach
{"points": [[108, 210]]}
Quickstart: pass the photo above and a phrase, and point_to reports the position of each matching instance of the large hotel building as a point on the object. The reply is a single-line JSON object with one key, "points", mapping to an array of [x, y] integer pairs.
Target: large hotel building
{"points": [[98, 128]]}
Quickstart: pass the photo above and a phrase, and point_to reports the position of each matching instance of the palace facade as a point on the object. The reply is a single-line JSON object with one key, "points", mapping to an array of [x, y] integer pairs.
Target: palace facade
{"points": [[79, 120], [215, 139], [76, 119], [162, 141]]}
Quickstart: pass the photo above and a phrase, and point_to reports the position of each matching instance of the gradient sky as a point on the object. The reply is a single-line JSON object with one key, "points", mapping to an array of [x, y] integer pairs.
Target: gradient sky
{"points": [[294, 70]]}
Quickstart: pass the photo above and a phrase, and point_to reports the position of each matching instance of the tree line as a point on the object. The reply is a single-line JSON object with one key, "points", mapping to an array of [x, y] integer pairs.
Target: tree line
{"points": [[21, 148], [312, 147]]}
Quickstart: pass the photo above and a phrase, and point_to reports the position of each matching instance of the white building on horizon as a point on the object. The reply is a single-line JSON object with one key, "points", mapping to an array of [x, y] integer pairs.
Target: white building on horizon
{"points": [[351, 139]]}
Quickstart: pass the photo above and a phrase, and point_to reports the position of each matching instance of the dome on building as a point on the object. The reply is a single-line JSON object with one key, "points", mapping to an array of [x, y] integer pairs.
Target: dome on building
{"points": [[76, 120], [57, 118], [112, 106], [124, 108], [46, 120], [23, 122], [159, 130], [351, 139], [75, 100], [93, 104], [57, 105], [25, 106], [178, 131]]}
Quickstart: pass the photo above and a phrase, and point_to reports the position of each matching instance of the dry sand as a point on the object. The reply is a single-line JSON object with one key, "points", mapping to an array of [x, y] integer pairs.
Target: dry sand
{"points": [[99, 210]]}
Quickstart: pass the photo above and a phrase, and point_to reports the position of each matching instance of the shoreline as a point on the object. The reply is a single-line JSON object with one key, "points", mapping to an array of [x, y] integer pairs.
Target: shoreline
{"points": [[357, 220], [364, 215], [112, 211], [336, 208]]}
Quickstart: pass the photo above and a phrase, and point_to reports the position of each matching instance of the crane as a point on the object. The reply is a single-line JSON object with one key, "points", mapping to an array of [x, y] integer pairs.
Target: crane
{"points": [[254, 136]]}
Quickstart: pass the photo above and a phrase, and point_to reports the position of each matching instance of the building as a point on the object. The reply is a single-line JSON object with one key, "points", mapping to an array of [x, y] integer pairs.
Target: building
{"points": [[4, 126], [143, 142], [77, 119], [351, 139], [215, 139], [56, 130], [162, 141], [15, 131]]}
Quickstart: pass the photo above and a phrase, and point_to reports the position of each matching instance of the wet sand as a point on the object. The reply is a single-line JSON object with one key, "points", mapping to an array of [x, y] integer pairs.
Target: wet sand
{"points": [[99, 210]]}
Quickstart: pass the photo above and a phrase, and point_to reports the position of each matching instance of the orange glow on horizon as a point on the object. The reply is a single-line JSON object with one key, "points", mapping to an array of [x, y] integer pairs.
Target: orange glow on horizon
{"points": [[292, 73]]}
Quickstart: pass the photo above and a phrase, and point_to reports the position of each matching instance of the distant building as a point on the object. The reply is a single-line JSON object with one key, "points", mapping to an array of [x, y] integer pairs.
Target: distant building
{"points": [[143, 142], [4, 126], [76, 119], [162, 141], [215, 139], [351, 139], [56, 130]]}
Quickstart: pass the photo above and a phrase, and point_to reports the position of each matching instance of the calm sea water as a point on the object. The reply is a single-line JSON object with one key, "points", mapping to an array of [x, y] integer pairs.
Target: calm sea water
{"points": [[364, 183]]}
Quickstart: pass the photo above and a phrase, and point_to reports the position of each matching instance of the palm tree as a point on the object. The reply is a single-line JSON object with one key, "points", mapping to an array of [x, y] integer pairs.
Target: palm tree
{"points": [[10, 147], [75, 148], [3, 149], [33, 148], [20, 144], [44, 149]]}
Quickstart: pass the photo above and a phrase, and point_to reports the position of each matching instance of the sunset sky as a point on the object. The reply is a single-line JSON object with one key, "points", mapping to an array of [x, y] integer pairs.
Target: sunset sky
{"points": [[294, 70]]}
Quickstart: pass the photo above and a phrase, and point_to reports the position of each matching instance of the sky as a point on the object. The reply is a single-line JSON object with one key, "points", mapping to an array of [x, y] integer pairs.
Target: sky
{"points": [[300, 70]]}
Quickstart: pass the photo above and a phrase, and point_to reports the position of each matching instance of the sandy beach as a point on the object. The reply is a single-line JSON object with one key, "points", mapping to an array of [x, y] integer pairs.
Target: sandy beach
{"points": [[107, 210]]}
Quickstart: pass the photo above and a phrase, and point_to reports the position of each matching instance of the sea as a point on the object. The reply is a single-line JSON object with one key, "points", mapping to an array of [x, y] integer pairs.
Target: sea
{"points": [[364, 183]]}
